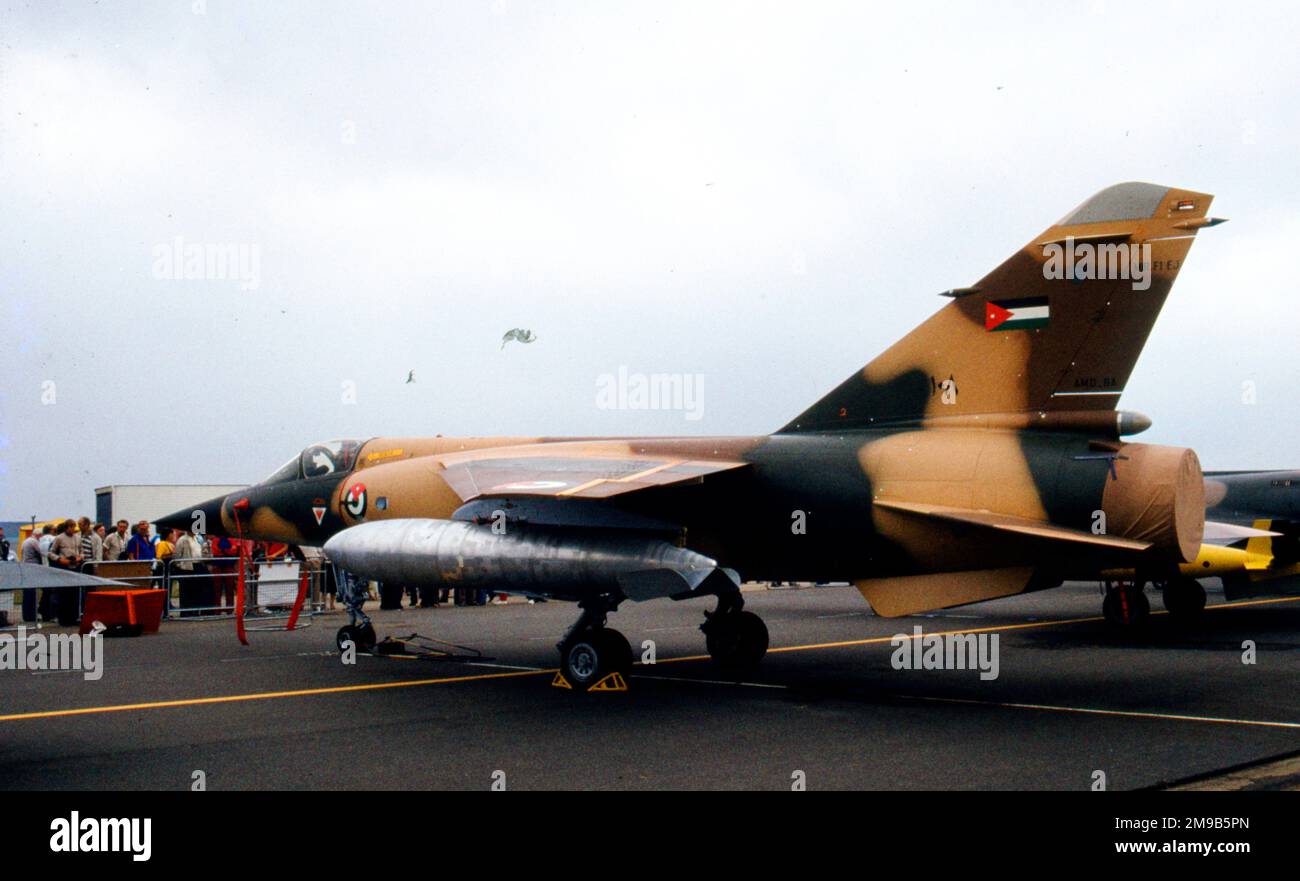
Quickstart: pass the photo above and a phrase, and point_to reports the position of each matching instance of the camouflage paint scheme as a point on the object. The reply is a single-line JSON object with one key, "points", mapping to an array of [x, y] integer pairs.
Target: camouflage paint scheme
{"points": [[966, 462]]}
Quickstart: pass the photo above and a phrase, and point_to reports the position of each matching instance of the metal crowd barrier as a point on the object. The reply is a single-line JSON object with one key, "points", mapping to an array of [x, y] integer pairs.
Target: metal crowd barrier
{"points": [[204, 587], [199, 588]]}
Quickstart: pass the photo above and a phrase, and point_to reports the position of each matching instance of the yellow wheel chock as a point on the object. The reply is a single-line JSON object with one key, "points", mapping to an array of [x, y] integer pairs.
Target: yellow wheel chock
{"points": [[613, 682]]}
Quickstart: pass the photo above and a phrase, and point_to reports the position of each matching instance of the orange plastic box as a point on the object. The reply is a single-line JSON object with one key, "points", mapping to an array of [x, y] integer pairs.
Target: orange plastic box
{"points": [[130, 608]]}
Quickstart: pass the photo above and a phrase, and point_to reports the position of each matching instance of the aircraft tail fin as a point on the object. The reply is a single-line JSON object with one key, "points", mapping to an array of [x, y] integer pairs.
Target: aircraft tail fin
{"points": [[1279, 546], [1272, 562], [1057, 327]]}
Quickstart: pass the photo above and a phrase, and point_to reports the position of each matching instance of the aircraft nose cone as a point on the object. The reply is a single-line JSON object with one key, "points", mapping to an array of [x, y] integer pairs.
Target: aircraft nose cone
{"points": [[206, 516]]}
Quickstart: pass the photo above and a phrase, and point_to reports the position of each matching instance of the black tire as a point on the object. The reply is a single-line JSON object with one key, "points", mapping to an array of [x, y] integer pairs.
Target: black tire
{"points": [[1184, 599], [363, 637], [367, 638], [590, 656], [620, 650], [736, 641], [1126, 608]]}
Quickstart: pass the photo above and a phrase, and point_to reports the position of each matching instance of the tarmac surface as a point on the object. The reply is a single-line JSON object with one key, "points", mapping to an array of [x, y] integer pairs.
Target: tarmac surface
{"points": [[1070, 699]]}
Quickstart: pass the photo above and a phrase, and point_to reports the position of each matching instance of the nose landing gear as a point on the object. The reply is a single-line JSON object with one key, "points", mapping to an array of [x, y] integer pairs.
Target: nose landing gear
{"points": [[362, 637], [594, 657], [360, 632]]}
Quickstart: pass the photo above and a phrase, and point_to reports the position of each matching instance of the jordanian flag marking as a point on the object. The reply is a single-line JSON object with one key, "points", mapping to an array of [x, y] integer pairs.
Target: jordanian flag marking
{"points": [[1024, 314]]}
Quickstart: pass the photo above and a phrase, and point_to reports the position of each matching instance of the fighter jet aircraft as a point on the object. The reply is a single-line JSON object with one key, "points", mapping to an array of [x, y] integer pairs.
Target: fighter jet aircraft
{"points": [[1268, 564], [1247, 496], [980, 456], [1251, 543]]}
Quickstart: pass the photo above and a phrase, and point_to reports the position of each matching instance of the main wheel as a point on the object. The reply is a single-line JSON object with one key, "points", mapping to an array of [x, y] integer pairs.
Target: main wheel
{"points": [[1184, 599], [737, 640], [362, 637], [590, 656], [620, 650], [1126, 608]]}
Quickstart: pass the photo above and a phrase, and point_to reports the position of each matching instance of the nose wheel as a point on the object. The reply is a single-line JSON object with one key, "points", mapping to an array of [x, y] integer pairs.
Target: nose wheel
{"points": [[362, 636], [359, 632]]}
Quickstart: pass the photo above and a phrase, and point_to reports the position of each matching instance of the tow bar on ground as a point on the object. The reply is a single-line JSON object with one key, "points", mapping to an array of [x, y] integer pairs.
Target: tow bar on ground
{"points": [[424, 648]]}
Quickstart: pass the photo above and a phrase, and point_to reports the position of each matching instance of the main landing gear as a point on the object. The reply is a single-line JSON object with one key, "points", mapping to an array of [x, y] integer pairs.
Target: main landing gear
{"points": [[1125, 605], [1184, 598], [736, 639], [594, 657], [1127, 609]]}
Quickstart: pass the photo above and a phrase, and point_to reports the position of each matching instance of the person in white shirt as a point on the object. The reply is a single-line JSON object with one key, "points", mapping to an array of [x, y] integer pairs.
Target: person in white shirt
{"points": [[195, 588], [115, 542], [30, 552], [47, 539], [47, 596]]}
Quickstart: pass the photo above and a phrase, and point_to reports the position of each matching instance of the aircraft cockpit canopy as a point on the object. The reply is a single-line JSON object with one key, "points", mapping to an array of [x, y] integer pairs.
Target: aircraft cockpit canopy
{"points": [[318, 460]]}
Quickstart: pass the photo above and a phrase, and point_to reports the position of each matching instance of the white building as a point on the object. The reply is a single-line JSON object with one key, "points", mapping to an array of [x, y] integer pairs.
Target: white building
{"points": [[138, 501]]}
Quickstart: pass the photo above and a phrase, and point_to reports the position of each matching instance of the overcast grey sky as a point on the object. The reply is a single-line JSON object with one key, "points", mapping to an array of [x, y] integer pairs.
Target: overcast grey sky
{"points": [[765, 195]]}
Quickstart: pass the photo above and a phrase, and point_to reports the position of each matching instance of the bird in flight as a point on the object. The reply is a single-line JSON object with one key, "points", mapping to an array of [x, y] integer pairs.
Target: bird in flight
{"points": [[517, 333], [410, 377]]}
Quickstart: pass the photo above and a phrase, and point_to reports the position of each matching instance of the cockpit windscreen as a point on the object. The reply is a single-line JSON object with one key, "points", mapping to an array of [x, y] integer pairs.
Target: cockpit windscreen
{"points": [[318, 460]]}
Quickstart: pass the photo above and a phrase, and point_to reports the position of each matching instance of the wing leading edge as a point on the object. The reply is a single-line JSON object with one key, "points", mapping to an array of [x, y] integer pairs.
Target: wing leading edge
{"points": [[573, 477]]}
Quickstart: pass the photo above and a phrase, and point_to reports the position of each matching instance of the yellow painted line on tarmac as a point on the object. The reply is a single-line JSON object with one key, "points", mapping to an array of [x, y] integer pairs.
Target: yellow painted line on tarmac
{"points": [[1003, 628], [1098, 711], [267, 695], [480, 677], [877, 640], [1240, 603]]}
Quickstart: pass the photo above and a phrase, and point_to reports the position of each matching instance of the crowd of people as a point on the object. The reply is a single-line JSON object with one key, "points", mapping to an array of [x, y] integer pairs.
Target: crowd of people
{"points": [[390, 596], [201, 571]]}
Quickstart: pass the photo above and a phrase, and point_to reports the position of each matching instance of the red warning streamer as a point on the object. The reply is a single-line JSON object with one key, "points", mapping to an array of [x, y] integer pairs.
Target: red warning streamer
{"points": [[297, 604], [237, 508]]}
